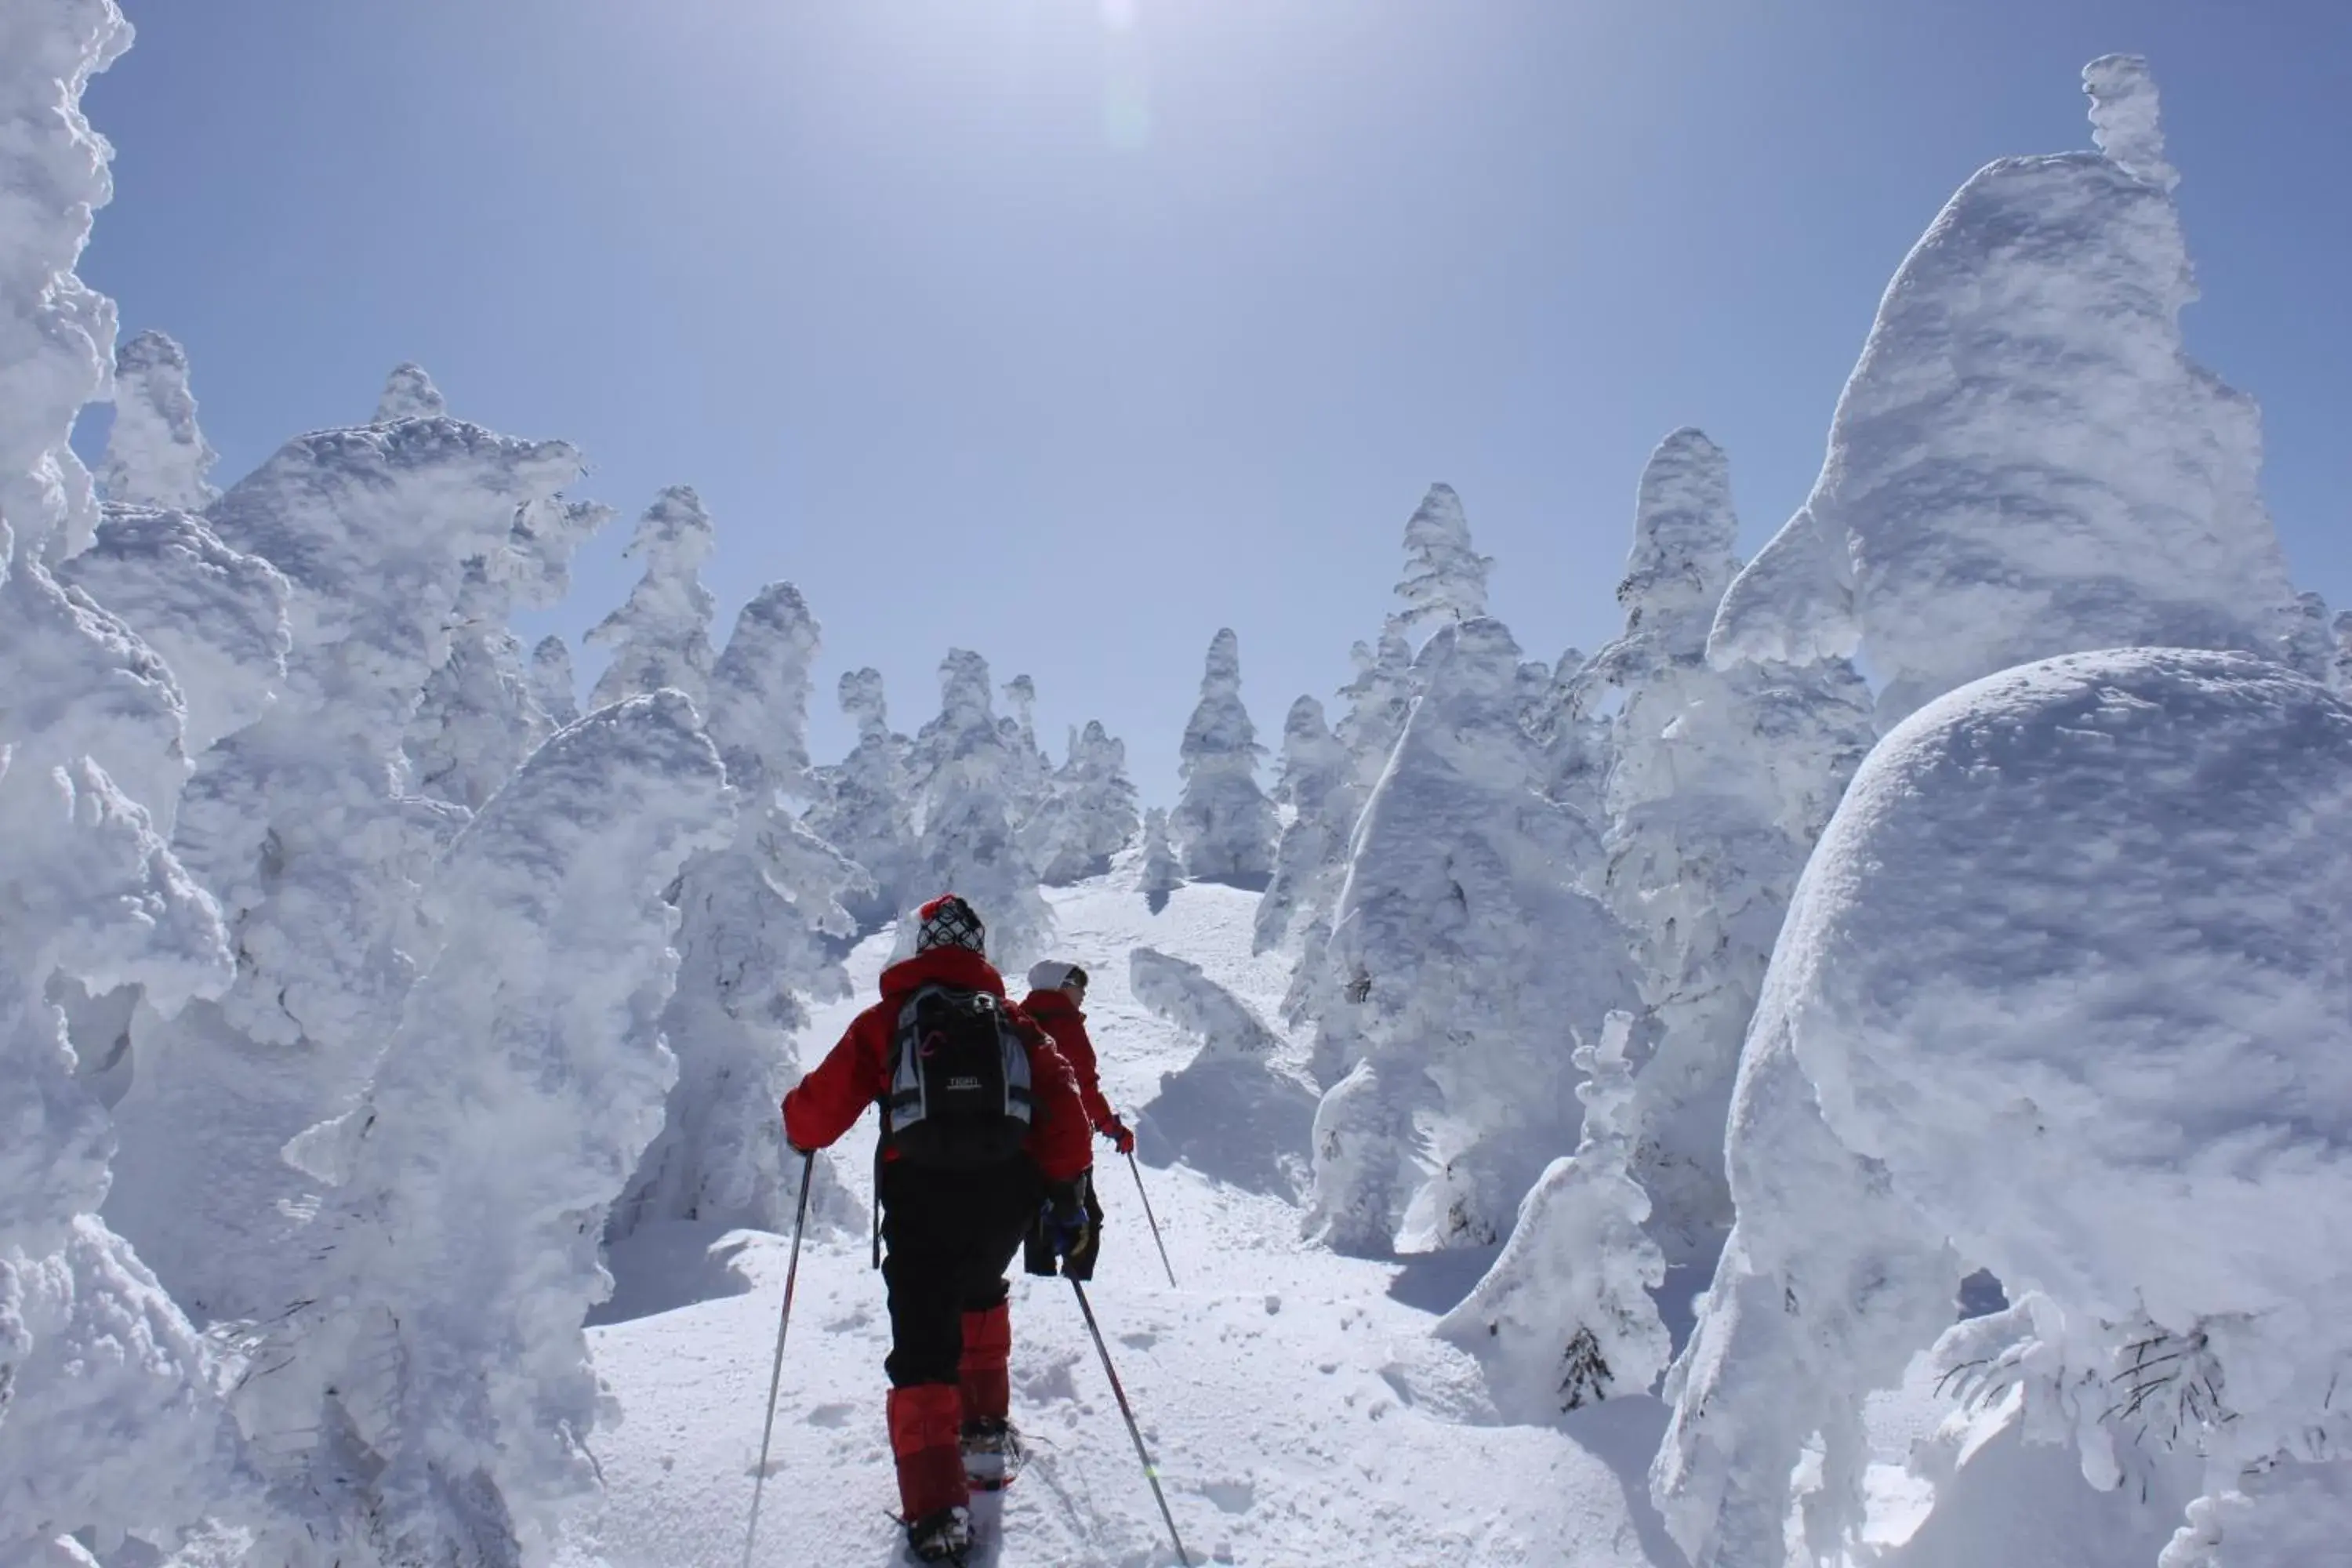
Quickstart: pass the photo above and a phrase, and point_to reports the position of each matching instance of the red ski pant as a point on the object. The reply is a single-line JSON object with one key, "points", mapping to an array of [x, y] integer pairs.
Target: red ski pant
{"points": [[948, 1237]]}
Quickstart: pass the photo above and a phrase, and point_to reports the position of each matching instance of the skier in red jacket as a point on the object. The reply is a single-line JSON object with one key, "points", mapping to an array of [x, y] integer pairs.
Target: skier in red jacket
{"points": [[1057, 1000], [957, 1200]]}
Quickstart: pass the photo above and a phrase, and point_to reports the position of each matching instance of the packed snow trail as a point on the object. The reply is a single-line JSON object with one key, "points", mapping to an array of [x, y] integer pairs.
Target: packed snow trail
{"points": [[1298, 1404], [1294, 1400]]}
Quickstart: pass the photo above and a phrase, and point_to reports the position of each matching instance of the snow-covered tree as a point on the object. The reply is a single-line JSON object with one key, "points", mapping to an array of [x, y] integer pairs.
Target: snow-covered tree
{"points": [[1703, 848], [1576, 735], [1470, 967], [661, 637], [1564, 1319], [1032, 770], [553, 686], [757, 921], [966, 774], [1160, 873], [299, 823], [1224, 826], [1091, 816], [1318, 784], [2025, 461], [409, 393], [108, 1420], [480, 716], [1378, 698], [1179, 991], [2052, 1001], [1444, 579], [155, 455], [864, 804], [429, 1397], [217, 615]]}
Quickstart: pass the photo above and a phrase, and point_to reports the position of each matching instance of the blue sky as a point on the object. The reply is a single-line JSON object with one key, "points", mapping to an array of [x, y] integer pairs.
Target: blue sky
{"points": [[1070, 330]]}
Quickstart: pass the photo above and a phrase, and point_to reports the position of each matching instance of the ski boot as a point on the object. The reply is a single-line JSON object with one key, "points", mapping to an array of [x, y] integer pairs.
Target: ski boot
{"points": [[942, 1537], [991, 1452]]}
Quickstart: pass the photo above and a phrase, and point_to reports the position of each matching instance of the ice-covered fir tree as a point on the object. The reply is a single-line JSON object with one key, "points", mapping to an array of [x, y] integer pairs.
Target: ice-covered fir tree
{"points": [[480, 715], [300, 823], [1468, 967], [661, 637], [1160, 873], [409, 393], [155, 454], [1318, 784], [1565, 1319], [430, 1397], [217, 615], [1224, 826], [111, 1424], [1091, 815], [865, 802], [1378, 698], [553, 686], [2025, 461], [1032, 770], [1445, 578], [966, 777], [757, 922], [1703, 851]]}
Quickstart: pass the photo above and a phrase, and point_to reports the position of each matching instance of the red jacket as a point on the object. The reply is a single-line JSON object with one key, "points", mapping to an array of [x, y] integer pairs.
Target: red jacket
{"points": [[1063, 1021], [857, 1071]]}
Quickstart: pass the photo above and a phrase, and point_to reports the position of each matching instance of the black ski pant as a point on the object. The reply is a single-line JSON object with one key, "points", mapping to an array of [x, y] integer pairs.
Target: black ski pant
{"points": [[948, 1237]]}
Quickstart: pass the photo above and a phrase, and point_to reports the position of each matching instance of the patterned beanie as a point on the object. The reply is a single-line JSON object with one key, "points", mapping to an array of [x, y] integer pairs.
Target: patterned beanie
{"points": [[949, 921]]}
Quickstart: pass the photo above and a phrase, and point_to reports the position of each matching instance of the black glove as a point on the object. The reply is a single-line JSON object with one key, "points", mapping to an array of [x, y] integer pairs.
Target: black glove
{"points": [[1069, 1230]]}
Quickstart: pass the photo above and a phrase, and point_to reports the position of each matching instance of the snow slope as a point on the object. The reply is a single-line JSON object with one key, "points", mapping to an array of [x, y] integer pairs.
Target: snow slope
{"points": [[1293, 1399]]}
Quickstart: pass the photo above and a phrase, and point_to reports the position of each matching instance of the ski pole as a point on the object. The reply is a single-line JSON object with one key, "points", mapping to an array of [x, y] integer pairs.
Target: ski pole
{"points": [[776, 1375], [1150, 1470], [1140, 1193]]}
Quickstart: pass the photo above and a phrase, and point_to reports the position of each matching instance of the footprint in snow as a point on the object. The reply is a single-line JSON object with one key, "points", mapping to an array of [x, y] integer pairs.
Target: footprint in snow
{"points": [[832, 1415]]}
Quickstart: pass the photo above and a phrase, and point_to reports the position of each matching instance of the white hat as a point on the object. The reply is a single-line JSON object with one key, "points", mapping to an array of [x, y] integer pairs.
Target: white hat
{"points": [[1052, 975]]}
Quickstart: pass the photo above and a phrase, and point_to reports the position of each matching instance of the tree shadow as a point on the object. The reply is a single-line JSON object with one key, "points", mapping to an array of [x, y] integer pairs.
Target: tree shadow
{"points": [[1231, 1119], [1436, 1282], [671, 1264], [1247, 881]]}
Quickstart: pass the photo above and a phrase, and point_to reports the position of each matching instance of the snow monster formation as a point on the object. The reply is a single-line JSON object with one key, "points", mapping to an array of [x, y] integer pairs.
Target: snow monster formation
{"points": [[431, 1371], [2026, 462], [2063, 994], [1223, 826], [110, 1422], [302, 824], [1471, 968], [756, 923]]}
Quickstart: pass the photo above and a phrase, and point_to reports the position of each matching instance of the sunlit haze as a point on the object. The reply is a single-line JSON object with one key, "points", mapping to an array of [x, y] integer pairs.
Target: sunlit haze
{"points": [[1069, 331]]}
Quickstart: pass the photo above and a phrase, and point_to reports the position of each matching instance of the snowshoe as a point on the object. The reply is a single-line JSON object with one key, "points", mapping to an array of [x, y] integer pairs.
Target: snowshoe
{"points": [[942, 1537], [992, 1454]]}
